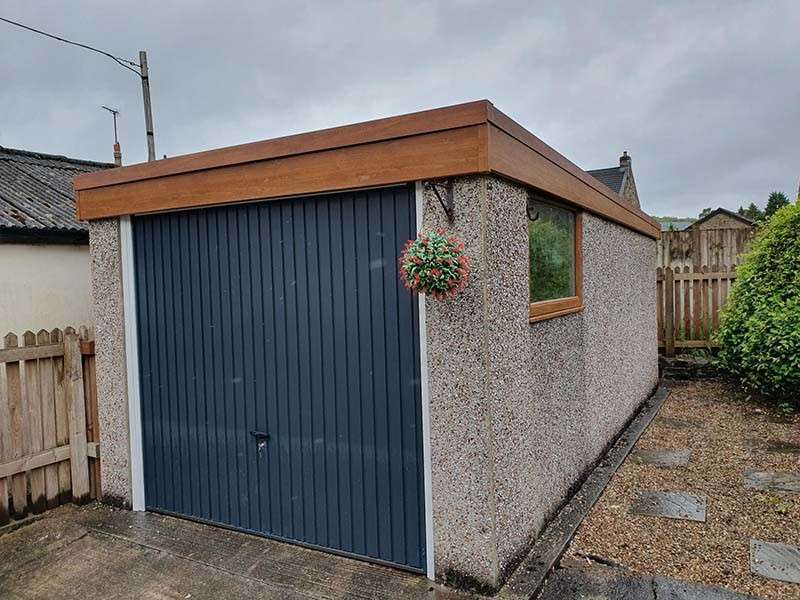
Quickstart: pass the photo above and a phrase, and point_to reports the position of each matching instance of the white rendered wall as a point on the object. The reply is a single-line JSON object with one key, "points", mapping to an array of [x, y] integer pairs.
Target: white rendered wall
{"points": [[43, 286]]}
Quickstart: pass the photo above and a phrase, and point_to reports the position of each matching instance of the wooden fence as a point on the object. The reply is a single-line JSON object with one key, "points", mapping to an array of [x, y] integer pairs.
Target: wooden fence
{"points": [[696, 247], [49, 439], [689, 302]]}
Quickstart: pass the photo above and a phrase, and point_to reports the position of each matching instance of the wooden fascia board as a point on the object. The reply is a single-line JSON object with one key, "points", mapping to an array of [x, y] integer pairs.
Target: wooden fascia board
{"points": [[513, 158], [457, 140], [446, 153], [512, 128], [428, 121]]}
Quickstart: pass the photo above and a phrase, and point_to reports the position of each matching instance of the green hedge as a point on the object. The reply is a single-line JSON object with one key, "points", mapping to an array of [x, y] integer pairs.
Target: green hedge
{"points": [[760, 330]]}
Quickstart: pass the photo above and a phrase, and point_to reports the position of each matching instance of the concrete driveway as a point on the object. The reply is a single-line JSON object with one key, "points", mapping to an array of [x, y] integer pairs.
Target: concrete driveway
{"points": [[100, 552]]}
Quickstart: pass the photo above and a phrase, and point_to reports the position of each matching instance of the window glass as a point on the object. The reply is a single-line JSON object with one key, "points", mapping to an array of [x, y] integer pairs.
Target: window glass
{"points": [[551, 242]]}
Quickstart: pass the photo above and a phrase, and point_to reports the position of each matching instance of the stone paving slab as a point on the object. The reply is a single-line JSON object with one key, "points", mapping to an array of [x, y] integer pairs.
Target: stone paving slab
{"points": [[772, 482], [587, 580], [662, 458], [776, 561], [670, 505], [676, 423], [776, 446]]}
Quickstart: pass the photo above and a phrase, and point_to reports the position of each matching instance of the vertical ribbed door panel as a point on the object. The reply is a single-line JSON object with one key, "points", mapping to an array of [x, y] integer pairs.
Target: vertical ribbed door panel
{"points": [[279, 364]]}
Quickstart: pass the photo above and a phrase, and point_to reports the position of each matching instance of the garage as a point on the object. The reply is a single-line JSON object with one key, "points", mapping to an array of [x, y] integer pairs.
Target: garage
{"points": [[279, 370], [260, 366]]}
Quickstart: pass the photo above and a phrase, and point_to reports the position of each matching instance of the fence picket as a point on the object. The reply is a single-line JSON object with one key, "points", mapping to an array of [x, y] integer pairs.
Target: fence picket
{"points": [[669, 312], [76, 409], [48, 419], [33, 429], [5, 444], [92, 418], [715, 305], [687, 306], [660, 302], [62, 422], [19, 483]]}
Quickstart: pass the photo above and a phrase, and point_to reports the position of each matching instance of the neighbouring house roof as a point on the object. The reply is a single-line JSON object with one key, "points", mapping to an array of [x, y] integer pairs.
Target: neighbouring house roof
{"points": [[676, 225], [613, 177], [620, 179], [724, 211], [37, 200]]}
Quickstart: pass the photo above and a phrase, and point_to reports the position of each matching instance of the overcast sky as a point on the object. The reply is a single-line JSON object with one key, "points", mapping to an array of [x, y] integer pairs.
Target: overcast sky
{"points": [[705, 96]]}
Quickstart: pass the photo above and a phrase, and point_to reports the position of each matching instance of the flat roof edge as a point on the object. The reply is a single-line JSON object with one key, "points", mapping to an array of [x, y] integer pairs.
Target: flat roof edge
{"points": [[378, 130], [458, 151]]}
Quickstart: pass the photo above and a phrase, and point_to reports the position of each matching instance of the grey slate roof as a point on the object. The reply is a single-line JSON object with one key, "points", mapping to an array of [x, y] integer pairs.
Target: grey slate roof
{"points": [[612, 177], [36, 194]]}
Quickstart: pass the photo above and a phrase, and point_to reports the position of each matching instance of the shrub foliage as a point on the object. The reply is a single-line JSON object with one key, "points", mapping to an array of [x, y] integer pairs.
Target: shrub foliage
{"points": [[760, 330]]}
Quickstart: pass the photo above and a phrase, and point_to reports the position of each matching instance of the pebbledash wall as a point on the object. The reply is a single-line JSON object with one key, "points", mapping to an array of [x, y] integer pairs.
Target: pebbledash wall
{"points": [[518, 411]]}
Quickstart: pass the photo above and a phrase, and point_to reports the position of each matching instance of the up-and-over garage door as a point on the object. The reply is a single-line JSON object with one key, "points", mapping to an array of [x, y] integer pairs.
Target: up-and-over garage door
{"points": [[279, 370]]}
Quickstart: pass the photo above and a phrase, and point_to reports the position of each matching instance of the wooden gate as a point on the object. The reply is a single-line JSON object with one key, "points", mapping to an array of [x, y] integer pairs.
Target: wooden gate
{"points": [[689, 302], [48, 422]]}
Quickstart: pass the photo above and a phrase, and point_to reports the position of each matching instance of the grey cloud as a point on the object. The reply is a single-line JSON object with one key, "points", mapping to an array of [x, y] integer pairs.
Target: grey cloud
{"points": [[704, 95]]}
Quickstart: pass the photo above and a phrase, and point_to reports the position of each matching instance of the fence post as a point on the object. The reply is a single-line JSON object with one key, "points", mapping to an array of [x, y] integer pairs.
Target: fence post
{"points": [[669, 312], [76, 409]]}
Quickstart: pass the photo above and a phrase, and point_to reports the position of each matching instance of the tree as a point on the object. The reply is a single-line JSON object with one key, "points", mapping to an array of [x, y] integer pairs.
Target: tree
{"points": [[704, 212], [776, 201], [753, 213], [760, 332]]}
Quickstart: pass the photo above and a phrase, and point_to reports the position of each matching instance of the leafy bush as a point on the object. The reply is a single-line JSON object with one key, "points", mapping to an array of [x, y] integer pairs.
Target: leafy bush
{"points": [[760, 330]]}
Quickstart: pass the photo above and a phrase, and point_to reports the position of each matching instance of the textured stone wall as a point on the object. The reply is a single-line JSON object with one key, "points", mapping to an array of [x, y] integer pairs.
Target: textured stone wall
{"points": [[461, 446], [112, 391], [523, 410]]}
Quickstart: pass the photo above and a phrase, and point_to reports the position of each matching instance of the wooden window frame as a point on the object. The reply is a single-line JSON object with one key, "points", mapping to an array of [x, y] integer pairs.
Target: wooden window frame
{"points": [[559, 307]]}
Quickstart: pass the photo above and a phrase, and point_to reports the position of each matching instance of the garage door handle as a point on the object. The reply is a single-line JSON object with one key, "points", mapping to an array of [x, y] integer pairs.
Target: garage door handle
{"points": [[260, 436]]}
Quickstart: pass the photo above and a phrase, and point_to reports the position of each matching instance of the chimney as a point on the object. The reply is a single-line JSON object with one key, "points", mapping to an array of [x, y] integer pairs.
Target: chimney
{"points": [[625, 160], [117, 155]]}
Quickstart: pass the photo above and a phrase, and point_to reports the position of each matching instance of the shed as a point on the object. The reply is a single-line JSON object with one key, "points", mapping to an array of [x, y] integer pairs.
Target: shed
{"points": [[260, 366], [44, 249]]}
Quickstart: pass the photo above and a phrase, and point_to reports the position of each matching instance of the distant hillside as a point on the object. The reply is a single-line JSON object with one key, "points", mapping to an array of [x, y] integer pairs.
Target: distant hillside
{"points": [[672, 219]]}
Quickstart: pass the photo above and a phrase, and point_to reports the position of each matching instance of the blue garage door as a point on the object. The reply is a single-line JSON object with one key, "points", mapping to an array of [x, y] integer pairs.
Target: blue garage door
{"points": [[279, 363]]}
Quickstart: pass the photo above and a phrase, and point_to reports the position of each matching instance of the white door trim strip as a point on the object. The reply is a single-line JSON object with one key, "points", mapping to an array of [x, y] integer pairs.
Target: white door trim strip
{"points": [[132, 363], [426, 420]]}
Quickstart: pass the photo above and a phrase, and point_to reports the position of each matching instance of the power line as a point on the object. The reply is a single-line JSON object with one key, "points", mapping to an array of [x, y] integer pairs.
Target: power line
{"points": [[128, 64], [140, 69]]}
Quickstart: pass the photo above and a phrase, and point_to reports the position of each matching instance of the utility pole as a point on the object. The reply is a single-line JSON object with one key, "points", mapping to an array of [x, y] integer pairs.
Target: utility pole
{"points": [[117, 152], [148, 110], [139, 68]]}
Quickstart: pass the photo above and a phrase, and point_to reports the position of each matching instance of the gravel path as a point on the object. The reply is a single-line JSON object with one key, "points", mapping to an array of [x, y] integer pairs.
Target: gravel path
{"points": [[727, 436]]}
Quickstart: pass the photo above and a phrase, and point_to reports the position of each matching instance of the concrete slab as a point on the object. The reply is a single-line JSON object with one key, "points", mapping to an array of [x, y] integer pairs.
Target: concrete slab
{"points": [[676, 423], [775, 446], [98, 552], [583, 579], [776, 561], [662, 458], [772, 482], [670, 505]]}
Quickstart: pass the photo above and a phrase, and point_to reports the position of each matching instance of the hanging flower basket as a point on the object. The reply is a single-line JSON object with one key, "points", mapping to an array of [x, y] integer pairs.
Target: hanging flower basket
{"points": [[435, 265]]}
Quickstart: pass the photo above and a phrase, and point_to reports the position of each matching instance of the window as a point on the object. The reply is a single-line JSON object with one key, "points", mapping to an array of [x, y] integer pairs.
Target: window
{"points": [[555, 262]]}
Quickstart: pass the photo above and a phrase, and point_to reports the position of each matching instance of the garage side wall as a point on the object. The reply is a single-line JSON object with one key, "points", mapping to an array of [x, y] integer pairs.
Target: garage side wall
{"points": [[561, 389], [112, 391], [520, 411]]}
